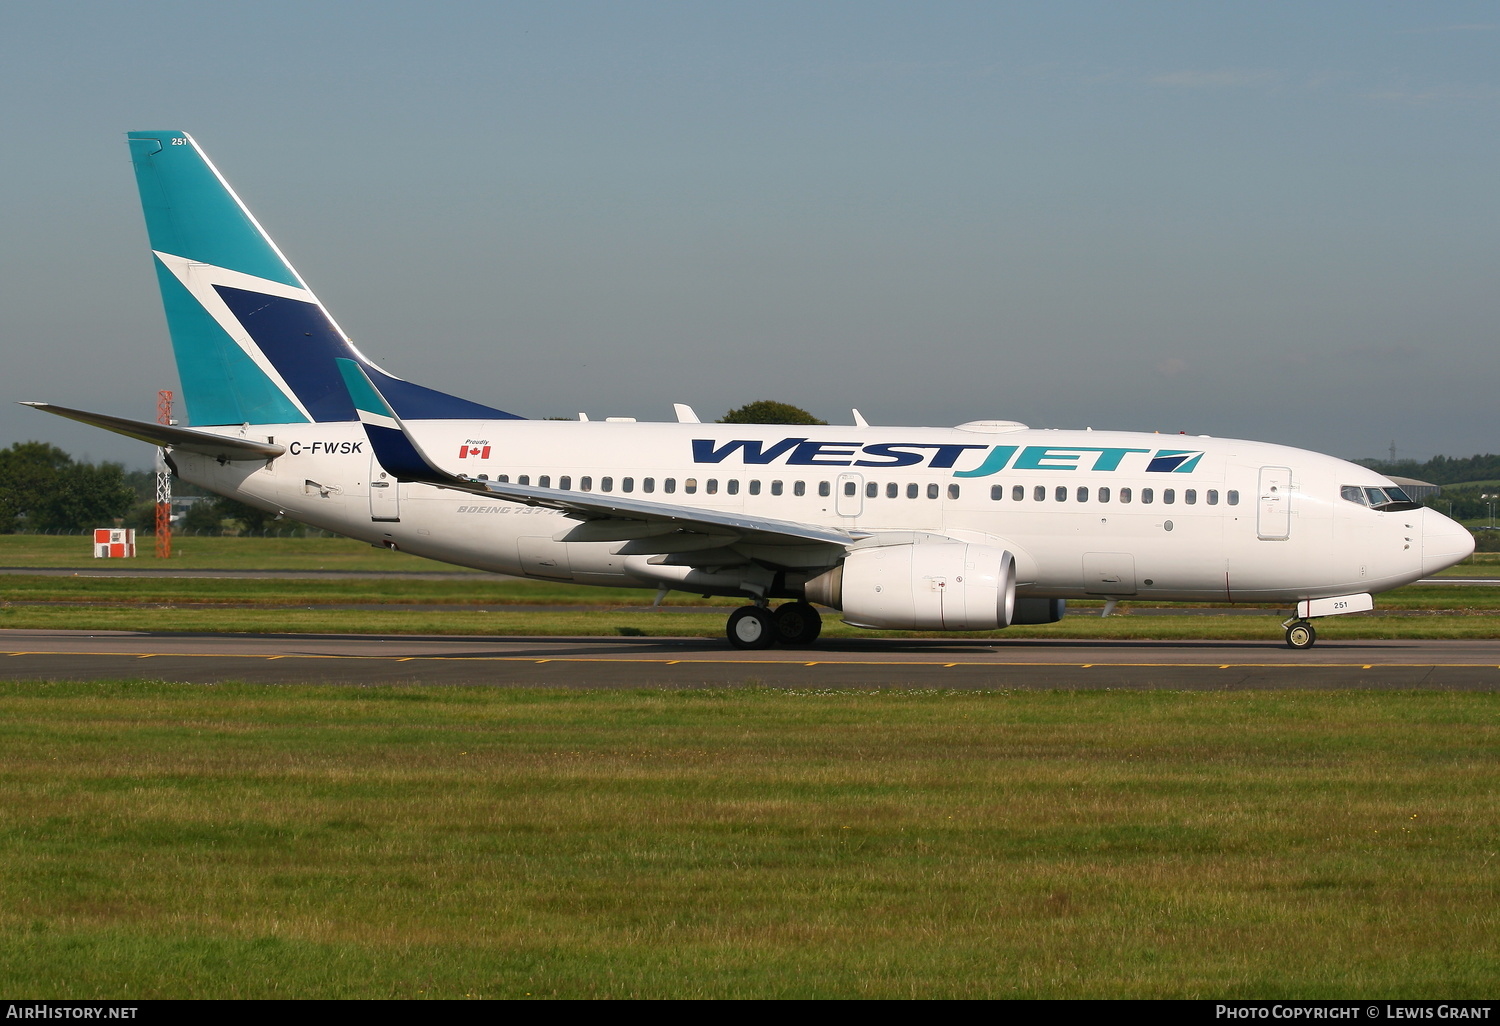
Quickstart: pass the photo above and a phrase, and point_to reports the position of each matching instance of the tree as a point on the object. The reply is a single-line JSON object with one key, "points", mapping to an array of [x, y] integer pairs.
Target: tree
{"points": [[41, 488], [225, 516], [203, 517], [84, 495], [765, 411], [250, 519], [27, 471]]}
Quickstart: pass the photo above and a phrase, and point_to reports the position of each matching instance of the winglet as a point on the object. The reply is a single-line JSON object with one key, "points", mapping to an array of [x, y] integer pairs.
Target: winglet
{"points": [[394, 448]]}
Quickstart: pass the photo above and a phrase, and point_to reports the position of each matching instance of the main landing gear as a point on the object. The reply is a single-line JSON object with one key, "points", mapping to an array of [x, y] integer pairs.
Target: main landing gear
{"points": [[794, 625], [1300, 634]]}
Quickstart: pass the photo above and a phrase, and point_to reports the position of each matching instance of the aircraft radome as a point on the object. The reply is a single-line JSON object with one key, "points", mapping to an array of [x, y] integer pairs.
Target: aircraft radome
{"points": [[967, 528]]}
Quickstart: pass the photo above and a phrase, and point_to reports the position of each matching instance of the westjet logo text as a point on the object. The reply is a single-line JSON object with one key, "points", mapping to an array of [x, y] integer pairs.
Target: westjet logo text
{"points": [[980, 460]]}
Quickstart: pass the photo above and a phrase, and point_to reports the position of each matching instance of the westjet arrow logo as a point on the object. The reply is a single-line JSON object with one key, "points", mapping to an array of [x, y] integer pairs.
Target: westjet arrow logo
{"points": [[805, 452]]}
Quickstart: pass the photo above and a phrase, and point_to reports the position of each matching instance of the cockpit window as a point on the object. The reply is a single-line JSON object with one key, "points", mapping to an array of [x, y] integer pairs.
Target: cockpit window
{"points": [[1386, 499]]}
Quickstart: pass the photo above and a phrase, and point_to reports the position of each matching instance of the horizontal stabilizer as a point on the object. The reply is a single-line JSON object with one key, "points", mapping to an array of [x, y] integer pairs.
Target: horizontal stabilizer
{"points": [[218, 447]]}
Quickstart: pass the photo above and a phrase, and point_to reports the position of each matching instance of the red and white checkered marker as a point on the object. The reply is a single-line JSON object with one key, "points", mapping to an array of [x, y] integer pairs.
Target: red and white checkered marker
{"points": [[114, 543]]}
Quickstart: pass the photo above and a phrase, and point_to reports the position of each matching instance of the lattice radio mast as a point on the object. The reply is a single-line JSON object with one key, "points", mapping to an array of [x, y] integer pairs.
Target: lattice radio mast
{"points": [[163, 482]]}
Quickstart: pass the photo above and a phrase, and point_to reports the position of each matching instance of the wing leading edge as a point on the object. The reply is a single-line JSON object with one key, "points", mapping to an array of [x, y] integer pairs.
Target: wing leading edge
{"points": [[403, 457]]}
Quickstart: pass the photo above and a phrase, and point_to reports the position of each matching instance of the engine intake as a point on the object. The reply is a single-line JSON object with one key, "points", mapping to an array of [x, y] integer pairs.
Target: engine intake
{"points": [[929, 585]]}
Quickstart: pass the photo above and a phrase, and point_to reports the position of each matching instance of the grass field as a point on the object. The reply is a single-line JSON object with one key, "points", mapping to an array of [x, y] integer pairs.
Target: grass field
{"points": [[192, 841], [484, 601], [76, 551], [489, 605]]}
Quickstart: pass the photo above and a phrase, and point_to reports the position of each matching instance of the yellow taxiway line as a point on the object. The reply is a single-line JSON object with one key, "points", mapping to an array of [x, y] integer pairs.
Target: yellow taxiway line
{"points": [[764, 662]]}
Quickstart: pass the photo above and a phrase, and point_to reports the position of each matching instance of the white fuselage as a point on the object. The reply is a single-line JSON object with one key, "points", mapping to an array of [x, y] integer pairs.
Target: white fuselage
{"points": [[1085, 513]]}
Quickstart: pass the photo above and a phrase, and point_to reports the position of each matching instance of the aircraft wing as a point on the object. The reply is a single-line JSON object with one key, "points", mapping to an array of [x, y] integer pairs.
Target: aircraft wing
{"points": [[403, 458], [219, 447]]}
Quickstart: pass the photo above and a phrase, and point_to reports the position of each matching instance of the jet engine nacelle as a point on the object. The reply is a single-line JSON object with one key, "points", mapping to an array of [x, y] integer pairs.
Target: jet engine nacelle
{"points": [[929, 585]]}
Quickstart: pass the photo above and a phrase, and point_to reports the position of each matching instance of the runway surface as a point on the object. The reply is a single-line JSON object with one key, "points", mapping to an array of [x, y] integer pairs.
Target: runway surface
{"points": [[696, 662]]}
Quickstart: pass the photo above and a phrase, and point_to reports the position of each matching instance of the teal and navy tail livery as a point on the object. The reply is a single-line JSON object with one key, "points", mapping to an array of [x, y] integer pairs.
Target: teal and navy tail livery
{"points": [[253, 344], [977, 527]]}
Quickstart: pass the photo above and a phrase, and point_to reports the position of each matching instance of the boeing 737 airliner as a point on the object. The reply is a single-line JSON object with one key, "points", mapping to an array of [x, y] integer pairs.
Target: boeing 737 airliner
{"points": [[971, 528]]}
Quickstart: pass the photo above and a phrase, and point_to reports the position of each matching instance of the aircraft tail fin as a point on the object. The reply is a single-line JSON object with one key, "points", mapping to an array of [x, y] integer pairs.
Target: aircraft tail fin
{"points": [[252, 342]]}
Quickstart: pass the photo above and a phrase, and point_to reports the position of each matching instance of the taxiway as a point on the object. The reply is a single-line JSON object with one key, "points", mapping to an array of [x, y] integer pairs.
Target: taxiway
{"points": [[697, 662]]}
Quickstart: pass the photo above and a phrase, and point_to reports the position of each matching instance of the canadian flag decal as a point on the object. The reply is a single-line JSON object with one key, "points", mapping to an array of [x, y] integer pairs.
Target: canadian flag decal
{"points": [[466, 450]]}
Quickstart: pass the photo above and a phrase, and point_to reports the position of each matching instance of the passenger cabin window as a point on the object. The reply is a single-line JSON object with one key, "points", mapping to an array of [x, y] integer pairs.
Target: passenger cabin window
{"points": [[1233, 497], [825, 489], [606, 484], [627, 484], [503, 478], [1060, 493], [1104, 494], [648, 484], [586, 483], [932, 491], [799, 488], [953, 491], [545, 481], [849, 488], [712, 487], [669, 485], [775, 487], [1190, 497], [1213, 496], [1124, 494], [484, 477], [732, 487], [1169, 495], [755, 488], [1083, 494], [913, 490], [892, 490], [871, 490], [1148, 495], [565, 482], [524, 479], [690, 485], [997, 492], [1039, 493], [1018, 492]]}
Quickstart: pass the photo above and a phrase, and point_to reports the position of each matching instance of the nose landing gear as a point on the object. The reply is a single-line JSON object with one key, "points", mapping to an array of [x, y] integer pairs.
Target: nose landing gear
{"points": [[794, 624], [1300, 634]]}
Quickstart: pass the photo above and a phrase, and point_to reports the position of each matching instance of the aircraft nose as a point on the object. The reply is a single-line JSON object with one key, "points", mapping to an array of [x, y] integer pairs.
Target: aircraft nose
{"points": [[1444, 542]]}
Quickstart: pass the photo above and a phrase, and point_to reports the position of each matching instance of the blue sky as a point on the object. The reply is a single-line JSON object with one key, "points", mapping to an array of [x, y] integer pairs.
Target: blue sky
{"points": [[1269, 220]]}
